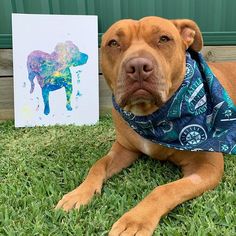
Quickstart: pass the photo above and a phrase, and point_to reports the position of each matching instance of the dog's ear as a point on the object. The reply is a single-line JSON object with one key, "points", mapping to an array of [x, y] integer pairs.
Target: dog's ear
{"points": [[190, 34]]}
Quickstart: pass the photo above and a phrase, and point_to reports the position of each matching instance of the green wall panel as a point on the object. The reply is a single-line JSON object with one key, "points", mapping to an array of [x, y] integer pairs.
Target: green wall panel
{"points": [[216, 18], [5, 16]]}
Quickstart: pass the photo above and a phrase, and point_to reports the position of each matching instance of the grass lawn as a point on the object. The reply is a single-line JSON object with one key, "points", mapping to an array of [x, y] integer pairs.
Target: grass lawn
{"points": [[39, 165]]}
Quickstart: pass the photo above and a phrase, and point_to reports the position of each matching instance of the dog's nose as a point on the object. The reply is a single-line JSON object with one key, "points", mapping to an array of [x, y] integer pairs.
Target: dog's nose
{"points": [[139, 68]]}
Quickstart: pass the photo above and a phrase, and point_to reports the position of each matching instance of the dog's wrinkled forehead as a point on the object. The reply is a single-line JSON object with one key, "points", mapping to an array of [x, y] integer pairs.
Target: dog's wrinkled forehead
{"points": [[129, 30]]}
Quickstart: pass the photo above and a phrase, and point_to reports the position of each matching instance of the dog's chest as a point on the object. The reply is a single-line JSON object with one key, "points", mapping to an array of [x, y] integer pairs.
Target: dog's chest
{"points": [[154, 150], [132, 140]]}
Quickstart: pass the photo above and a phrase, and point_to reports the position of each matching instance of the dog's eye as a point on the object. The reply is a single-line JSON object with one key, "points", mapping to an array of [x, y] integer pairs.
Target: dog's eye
{"points": [[113, 43], [164, 39]]}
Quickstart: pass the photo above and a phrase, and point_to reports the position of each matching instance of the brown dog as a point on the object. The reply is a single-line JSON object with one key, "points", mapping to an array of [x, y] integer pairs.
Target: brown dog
{"points": [[155, 47]]}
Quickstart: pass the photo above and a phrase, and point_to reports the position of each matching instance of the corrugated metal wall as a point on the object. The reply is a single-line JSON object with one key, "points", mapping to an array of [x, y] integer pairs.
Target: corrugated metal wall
{"points": [[216, 18]]}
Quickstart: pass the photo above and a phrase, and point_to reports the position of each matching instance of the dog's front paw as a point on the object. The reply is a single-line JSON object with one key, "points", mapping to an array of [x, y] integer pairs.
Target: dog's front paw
{"points": [[76, 198], [133, 223], [68, 107], [46, 110]]}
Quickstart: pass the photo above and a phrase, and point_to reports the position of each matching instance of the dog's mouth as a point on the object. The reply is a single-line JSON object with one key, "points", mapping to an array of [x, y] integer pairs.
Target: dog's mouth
{"points": [[140, 100], [136, 97]]}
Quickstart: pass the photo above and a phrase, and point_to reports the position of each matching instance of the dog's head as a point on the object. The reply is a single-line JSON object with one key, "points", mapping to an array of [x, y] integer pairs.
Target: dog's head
{"points": [[68, 54], [144, 61]]}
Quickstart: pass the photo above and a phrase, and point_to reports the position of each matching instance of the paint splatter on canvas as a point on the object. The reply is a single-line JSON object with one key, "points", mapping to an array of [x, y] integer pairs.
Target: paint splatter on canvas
{"points": [[55, 69]]}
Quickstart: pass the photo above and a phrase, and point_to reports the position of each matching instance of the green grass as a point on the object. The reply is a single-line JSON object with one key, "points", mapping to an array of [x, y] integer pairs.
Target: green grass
{"points": [[39, 165]]}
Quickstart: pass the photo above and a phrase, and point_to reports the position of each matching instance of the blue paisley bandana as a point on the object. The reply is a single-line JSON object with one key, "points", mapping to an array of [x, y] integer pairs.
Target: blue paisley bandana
{"points": [[200, 116]]}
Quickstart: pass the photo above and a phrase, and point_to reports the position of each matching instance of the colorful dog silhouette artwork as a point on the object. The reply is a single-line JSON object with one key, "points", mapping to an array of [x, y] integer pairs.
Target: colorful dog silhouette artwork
{"points": [[53, 70]]}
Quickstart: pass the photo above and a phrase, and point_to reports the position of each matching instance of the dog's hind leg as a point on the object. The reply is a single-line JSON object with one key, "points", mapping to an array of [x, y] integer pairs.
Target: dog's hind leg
{"points": [[69, 90], [45, 94]]}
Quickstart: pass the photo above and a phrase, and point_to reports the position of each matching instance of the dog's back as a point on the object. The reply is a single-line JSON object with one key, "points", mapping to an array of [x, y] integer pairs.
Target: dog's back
{"points": [[41, 65], [226, 73]]}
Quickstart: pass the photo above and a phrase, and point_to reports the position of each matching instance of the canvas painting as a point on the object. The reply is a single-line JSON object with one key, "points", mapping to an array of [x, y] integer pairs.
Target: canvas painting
{"points": [[55, 61]]}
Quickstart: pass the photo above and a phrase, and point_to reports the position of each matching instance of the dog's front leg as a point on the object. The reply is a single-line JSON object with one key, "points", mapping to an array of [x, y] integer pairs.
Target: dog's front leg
{"points": [[117, 159], [68, 89], [45, 94], [201, 173]]}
